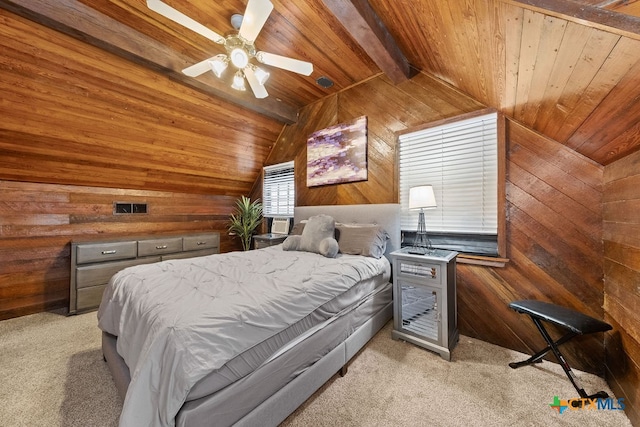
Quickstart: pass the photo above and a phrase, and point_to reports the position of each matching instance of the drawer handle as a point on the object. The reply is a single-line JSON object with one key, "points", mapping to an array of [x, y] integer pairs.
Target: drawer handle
{"points": [[111, 252], [161, 247], [201, 243]]}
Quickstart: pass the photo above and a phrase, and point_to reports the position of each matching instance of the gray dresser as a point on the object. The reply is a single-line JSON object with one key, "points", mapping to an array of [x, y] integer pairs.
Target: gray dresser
{"points": [[93, 263]]}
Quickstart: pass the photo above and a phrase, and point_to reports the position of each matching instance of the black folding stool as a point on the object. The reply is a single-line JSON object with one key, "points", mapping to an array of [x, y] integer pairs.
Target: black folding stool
{"points": [[577, 324]]}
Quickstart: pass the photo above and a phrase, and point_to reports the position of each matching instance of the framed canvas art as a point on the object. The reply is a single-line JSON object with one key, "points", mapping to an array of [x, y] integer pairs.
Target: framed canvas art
{"points": [[338, 154]]}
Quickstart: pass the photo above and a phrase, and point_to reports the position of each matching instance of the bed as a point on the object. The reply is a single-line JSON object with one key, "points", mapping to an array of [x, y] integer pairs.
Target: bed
{"points": [[266, 365]]}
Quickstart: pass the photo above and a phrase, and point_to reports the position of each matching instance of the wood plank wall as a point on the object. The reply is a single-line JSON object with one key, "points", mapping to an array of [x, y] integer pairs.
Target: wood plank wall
{"points": [[554, 214], [74, 114], [92, 129], [39, 221], [622, 279]]}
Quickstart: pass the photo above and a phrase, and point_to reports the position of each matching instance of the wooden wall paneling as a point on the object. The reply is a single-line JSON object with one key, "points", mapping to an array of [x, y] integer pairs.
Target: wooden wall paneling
{"points": [[38, 222], [621, 298], [584, 11], [621, 236], [513, 16], [629, 7], [541, 259], [323, 34], [73, 114], [559, 255], [392, 108], [292, 145], [485, 308], [622, 368], [491, 23], [83, 116], [551, 36], [548, 70], [555, 66], [558, 203], [567, 53], [554, 229], [529, 43], [576, 96], [554, 211], [613, 68], [380, 186]]}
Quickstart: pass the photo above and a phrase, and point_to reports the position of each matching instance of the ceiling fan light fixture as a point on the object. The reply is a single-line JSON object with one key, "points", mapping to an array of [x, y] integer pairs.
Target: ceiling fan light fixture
{"points": [[236, 20], [238, 81], [239, 57], [239, 46], [219, 64], [261, 75]]}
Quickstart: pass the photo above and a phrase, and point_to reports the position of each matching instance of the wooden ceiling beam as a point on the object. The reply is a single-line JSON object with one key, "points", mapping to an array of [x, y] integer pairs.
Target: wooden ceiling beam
{"points": [[366, 27], [74, 18]]}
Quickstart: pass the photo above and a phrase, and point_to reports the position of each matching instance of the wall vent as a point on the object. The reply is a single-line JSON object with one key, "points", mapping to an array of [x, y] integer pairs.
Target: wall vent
{"points": [[324, 82]]}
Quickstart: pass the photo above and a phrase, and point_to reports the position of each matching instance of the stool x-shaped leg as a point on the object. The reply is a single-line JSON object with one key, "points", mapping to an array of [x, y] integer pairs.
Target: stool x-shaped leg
{"points": [[577, 324]]}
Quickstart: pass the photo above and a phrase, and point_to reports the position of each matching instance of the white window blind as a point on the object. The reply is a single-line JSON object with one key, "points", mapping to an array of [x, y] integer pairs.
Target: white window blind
{"points": [[460, 160], [278, 190]]}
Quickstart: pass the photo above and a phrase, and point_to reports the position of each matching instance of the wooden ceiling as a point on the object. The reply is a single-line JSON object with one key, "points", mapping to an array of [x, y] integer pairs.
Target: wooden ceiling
{"points": [[568, 69]]}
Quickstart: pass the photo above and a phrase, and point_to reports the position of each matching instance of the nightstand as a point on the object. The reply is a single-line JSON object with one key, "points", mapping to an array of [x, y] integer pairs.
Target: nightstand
{"points": [[424, 300], [270, 239]]}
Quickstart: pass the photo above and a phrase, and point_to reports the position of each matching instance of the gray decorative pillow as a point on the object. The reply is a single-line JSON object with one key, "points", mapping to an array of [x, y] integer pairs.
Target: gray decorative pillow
{"points": [[367, 240], [297, 228], [291, 243], [329, 247], [316, 230]]}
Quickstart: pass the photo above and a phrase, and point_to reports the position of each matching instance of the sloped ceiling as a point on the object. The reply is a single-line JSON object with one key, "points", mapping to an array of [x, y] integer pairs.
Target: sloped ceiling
{"points": [[569, 70]]}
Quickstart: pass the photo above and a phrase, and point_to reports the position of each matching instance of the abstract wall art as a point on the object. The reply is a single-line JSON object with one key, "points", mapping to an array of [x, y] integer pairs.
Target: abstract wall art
{"points": [[338, 154]]}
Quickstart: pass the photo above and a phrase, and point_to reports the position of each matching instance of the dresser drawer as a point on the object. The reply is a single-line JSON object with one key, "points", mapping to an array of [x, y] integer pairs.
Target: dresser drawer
{"points": [[201, 241], [99, 274], [159, 246], [89, 298], [423, 272], [94, 263], [99, 252]]}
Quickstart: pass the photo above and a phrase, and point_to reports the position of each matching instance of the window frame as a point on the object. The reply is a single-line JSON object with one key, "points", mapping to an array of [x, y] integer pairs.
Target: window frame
{"points": [[500, 259], [266, 202]]}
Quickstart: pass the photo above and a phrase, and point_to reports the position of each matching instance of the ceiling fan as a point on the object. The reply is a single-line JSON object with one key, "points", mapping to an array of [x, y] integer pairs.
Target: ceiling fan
{"points": [[239, 46]]}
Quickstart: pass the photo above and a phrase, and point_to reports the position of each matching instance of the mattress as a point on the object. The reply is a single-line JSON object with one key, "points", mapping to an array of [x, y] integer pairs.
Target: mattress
{"points": [[188, 328], [253, 357], [233, 402]]}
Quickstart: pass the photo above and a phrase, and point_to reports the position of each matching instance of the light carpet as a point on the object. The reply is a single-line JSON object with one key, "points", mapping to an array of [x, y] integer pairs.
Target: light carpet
{"points": [[53, 375]]}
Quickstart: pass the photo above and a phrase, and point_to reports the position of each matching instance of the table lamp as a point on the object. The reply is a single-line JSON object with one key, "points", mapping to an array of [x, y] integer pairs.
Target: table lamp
{"points": [[421, 197]]}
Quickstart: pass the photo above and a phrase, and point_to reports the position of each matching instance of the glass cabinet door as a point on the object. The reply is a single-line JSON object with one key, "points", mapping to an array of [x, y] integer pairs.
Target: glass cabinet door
{"points": [[420, 311]]}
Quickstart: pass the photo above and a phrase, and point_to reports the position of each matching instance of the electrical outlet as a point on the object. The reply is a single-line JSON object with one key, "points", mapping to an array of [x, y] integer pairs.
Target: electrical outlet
{"points": [[129, 208]]}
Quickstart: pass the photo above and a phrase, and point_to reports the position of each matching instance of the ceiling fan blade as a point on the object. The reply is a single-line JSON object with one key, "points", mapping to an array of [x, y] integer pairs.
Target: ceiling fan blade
{"points": [[255, 15], [182, 19], [290, 64], [259, 91], [200, 68]]}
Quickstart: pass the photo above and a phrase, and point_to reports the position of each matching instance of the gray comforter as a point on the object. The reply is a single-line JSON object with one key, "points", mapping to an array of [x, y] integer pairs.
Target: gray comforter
{"points": [[178, 320]]}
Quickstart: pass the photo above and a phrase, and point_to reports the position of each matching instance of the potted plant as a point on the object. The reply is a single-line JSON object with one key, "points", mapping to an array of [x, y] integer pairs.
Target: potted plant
{"points": [[245, 219]]}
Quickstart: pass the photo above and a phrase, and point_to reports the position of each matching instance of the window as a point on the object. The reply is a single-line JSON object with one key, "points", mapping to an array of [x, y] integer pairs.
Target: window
{"points": [[463, 159], [278, 190]]}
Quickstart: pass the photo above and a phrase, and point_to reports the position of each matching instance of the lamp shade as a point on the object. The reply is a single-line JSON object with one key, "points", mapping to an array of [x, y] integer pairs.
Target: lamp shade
{"points": [[422, 197], [238, 81], [219, 64]]}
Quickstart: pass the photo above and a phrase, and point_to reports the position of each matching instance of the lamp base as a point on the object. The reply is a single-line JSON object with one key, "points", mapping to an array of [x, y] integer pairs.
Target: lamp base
{"points": [[418, 251], [421, 243]]}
